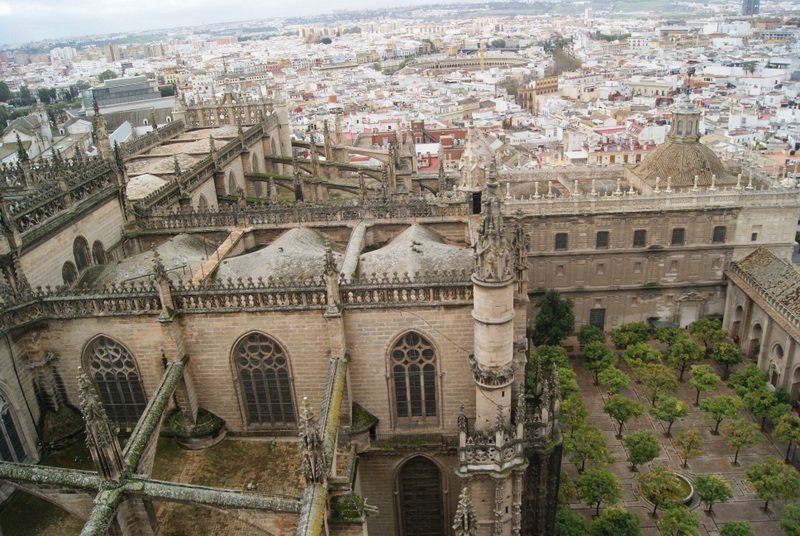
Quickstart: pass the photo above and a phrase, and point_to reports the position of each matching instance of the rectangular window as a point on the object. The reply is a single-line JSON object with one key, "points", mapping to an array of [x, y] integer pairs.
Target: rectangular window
{"points": [[601, 241], [719, 234], [597, 318], [753, 237], [639, 238], [678, 236], [561, 241]]}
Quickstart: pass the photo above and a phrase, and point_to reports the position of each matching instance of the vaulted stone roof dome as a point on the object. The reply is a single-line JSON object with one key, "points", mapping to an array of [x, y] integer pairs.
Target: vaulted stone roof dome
{"points": [[416, 250], [682, 156]]}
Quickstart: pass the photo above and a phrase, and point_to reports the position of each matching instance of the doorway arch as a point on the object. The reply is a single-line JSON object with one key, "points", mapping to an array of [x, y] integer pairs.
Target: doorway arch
{"points": [[420, 508]]}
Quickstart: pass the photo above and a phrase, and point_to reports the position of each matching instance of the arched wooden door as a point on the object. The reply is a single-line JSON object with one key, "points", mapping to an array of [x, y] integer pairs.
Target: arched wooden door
{"points": [[420, 494]]}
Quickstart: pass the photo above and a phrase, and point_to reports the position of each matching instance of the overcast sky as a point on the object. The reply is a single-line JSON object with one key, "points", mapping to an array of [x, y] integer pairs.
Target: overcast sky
{"points": [[31, 20]]}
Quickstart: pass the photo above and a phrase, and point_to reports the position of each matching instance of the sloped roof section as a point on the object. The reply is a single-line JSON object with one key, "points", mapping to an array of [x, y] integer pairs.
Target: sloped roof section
{"points": [[414, 251], [776, 279], [298, 253]]}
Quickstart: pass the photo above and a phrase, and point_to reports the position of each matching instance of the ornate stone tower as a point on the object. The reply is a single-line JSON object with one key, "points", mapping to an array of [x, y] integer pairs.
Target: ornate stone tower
{"points": [[100, 130], [491, 451]]}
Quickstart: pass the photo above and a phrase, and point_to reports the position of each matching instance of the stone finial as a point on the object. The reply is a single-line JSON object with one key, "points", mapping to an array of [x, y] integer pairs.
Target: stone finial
{"points": [[521, 413], [22, 154], [101, 437], [177, 168], [313, 467], [158, 267], [465, 522], [462, 420]]}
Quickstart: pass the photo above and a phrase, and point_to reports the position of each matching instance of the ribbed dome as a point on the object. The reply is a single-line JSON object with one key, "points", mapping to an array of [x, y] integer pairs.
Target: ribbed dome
{"points": [[682, 161]]}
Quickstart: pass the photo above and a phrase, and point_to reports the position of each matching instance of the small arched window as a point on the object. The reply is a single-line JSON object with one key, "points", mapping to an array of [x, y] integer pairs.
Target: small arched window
{"points": [[413, 363], [69, 273], [777, 351], [262, 367], [116, 377], [202, 203], [98, 252], [11, 449], [80, 250]]}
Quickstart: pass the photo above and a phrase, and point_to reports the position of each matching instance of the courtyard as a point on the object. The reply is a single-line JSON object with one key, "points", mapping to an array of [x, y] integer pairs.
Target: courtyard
{"points": [[716, 459]]}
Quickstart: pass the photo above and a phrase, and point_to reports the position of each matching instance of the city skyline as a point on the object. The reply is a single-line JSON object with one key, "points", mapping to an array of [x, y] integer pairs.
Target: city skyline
{"points": [[23, 21]]}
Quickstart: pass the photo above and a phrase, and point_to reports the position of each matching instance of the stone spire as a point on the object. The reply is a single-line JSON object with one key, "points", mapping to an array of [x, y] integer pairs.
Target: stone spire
{"points": [[465, 522], [101, 438], [100, 130], [493, 259], [314, 466], [331, 276], [473, 165]]}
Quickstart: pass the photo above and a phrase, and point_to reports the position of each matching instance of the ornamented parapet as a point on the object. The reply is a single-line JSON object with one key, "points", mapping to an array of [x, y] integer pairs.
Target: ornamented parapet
{"points": [[268, 214], [129, 149], [497, 450], [270, 294]]}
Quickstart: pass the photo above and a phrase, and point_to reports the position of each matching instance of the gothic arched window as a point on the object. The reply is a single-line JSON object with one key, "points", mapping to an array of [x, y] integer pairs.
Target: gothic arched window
{"points": [[413, 363], [69, 273], [98, 252], [116, 377], [80, 250], [265, 380], [232, 187], [11, 449]]}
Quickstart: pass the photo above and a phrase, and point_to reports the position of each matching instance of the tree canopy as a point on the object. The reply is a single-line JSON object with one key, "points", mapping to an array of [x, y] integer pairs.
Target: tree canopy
{"points": [[587, 443], [772, 479], [679, 521], [702, 378], [737, 528], [596, 357], [660, 487], [597, 486], [669, 410], [720, 408], [615, 522], [621, 409], [787, 430], [642, 447], [683, 352], [689, 445], [555, 320], [711, 489], [740, 433]]}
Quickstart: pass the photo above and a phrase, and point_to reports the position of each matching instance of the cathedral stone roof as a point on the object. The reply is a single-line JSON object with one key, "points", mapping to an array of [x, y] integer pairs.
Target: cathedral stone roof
{"points": [[416, 250], [778, 280], [182, 255], [143, 185], [297, 253]]}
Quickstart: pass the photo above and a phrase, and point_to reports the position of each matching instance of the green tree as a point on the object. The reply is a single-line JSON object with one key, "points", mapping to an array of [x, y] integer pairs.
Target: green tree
{"points": [[498, 43], [573, 412], [764, 404], [587, 444], [689, 445], [702, 378], [567, 382], [726, 354], [711, 489], [668, 335], [596, 357], [590, 333], [25, 97], [749, 379], [569, 522], [740, 433], [549, 358], [621, 409], [597, 486], [5, 93], [772, 479], [720, 408], [555, 321], [737, 528], [642, 448], [628, 334], [44, 95], [683, 352], [613, 380], [679, 521], [709, 332], [790, 520], [660, 487], [566, 489], [640, 353], [108, 74], [787, 430], [615, 522], [657, 380], [669, 410]]}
